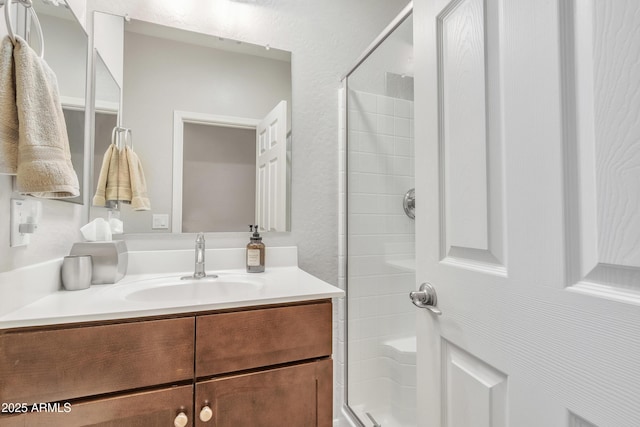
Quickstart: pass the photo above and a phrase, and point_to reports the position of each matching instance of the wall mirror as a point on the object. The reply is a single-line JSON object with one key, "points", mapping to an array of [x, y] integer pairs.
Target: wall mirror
{"points": [[201, 109], [66, 45]]}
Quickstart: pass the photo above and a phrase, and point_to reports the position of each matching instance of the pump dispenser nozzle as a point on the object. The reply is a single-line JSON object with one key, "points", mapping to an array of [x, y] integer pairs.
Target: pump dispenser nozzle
{"points": [[256, 234]]}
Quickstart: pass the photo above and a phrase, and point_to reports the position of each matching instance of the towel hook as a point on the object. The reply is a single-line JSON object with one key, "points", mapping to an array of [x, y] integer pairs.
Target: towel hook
{"points": [[7, 17], [128, 135]]}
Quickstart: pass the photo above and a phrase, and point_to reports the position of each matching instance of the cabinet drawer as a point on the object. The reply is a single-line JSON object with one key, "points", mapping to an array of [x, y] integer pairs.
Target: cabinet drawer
{"points": [[61, 364], [228, 342], [297, 395], [150, 408]]}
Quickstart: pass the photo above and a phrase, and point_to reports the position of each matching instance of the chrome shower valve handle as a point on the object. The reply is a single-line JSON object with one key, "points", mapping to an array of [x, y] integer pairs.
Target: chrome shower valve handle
{"points": [[409, 203]]}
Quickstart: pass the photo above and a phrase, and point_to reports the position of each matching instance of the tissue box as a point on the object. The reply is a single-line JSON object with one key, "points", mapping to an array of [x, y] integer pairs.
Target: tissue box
{"points": [[109, 259]]}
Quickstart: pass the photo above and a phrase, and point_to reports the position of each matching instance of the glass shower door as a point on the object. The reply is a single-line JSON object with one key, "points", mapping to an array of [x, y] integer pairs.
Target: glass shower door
{"points": [[381, 345]]}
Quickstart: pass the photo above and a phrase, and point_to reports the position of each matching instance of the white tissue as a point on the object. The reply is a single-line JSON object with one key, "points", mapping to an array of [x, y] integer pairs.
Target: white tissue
{"points": [[97, 230], [116, 225]]}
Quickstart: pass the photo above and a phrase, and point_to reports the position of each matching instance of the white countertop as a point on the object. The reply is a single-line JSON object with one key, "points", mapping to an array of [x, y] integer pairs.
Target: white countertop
{"points": [[108, 302]]}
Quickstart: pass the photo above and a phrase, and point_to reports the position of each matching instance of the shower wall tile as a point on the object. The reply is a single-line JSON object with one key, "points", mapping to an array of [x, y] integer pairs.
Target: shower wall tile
{"points": [[368, 122], [387, 284], [395, 244], [386, 105], [403, 147], [381, 263], [398, 186], [402, 108], [403, 166], [386, 125], [402, 127], [381, 224], [372, 265], [363, 204]]}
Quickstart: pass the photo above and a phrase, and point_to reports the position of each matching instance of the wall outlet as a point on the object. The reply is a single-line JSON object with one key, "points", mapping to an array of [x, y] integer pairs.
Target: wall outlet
{"points": [[160, 222]]}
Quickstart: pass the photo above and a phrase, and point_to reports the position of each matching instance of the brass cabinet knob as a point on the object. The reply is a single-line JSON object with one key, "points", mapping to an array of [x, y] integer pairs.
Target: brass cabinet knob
{"points": [[206, 414], [181, 420]]}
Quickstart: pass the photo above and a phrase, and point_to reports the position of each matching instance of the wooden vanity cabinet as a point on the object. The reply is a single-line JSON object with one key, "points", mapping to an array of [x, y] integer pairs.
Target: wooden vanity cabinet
{"points": [[262, 367], [95, 369], [296, 395], [144, 409], [270, 367], [241, 340], [55, 364]]}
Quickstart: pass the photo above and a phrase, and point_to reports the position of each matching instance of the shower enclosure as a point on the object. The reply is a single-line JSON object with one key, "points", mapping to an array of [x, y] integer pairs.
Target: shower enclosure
{"points": [[380, 363]]}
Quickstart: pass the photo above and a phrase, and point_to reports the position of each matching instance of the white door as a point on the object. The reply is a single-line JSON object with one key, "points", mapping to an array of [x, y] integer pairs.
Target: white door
{"points": [[527, 124], [271, 170]]}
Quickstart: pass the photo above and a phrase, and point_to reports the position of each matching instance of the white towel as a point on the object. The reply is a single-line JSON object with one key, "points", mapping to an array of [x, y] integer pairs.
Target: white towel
{"points": [[8, 111], [44, 159]]}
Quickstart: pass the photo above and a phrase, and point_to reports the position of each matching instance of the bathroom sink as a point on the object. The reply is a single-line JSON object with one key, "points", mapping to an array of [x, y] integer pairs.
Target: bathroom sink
{"points": [[207, 289]]}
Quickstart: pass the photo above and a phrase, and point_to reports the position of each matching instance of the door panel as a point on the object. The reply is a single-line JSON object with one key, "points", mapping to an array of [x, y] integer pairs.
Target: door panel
{"points": [[470, 151], [536, 263], [463, 140], [271, 175], [474, 393], [576, 421], [603, 158]]}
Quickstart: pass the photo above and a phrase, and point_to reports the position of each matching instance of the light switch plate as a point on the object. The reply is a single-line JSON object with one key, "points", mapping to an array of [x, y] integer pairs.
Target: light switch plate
{"points": [[160, 222], [19, 212]]}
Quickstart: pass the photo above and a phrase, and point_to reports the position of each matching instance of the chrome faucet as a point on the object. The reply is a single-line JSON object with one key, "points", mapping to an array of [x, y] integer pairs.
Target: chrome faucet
{"points": [[200, 271]]}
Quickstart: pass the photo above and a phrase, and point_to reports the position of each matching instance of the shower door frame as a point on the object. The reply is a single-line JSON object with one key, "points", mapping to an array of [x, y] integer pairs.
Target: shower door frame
{"points": [[389, 29]]}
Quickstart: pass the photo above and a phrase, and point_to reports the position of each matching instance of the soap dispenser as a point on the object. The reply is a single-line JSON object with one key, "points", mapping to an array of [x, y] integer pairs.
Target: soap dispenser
{"points": [[255, 252]]}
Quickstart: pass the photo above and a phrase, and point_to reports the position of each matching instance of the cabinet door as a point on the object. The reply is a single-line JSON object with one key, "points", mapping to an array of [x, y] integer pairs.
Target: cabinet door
{"points": [[298, 395], [230, 342], [69, 363], [151, 408]]}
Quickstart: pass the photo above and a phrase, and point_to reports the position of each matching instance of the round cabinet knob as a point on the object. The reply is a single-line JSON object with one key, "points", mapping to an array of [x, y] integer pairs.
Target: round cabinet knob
{"points": [[181, 420], [206, 414]]}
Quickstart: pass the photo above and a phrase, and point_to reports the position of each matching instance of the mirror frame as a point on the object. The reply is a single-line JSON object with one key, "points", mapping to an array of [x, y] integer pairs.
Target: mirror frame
{"points": [[95, 109], [83, 199]]}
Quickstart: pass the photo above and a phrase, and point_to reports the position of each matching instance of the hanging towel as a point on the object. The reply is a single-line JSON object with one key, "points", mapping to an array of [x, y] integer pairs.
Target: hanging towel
{"points": [[119, 185], [44, 159], [114, 183], [122, 179], [139, 199], [8, 111], [108, 173]]}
